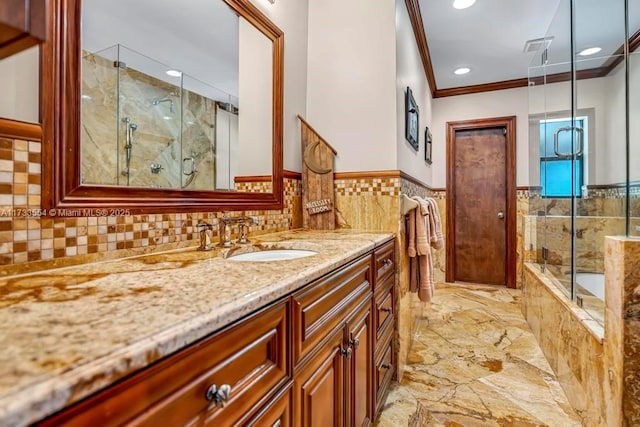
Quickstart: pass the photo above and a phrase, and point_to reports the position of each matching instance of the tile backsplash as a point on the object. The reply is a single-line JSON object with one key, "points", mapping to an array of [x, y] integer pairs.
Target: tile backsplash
{"points": [[27, 236]]}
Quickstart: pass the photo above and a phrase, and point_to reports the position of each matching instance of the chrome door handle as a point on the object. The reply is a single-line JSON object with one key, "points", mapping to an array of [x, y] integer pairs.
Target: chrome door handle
{"points": [[501, 215], [580, 144], [193, 165]]}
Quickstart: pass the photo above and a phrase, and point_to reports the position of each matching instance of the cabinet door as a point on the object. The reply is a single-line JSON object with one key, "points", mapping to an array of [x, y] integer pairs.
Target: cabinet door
{"points": [[277, 413], [383, 372], [319, 386], [360, 366]]}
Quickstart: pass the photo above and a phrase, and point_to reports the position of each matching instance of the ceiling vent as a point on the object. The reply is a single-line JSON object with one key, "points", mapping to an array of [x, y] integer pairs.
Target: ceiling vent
{"points": [[535, 45]]}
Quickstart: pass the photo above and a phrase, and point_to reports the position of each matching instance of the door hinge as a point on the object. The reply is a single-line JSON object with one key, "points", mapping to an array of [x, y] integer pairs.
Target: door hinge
{"points": [[545, 254]]}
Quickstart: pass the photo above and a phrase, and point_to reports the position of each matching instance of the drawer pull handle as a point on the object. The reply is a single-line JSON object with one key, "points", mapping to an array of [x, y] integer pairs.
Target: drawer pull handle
{"points": [[386, 309], [354, 342], [386, 366], [387, 262], [346, 352], [218, 395]]}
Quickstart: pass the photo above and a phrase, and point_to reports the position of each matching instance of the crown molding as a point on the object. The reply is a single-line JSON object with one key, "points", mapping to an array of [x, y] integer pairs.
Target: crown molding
{"points": [[415, 16]]}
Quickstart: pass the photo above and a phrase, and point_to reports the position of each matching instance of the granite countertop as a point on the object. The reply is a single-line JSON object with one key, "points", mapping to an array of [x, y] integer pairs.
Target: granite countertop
{"points": [[68, 332]]}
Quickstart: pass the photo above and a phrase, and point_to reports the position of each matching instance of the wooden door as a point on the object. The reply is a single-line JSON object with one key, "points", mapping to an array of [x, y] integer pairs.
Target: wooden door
{"points": [[319, 386], [360, 366], [481, 202]]}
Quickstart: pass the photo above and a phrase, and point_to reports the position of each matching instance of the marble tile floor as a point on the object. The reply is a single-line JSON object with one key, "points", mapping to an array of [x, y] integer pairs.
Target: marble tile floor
{"points": [[475, 362]]}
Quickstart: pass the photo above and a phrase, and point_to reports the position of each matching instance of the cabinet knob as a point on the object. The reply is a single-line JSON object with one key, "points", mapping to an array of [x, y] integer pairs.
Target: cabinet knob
{"points": [[386, 366], [354, 342], [387, 262], [219, 395], [346, 352], [386, 309]]}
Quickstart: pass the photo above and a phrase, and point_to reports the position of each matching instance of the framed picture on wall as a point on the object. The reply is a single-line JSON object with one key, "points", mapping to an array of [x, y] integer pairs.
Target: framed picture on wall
{"points": [[412, 119], [427, 145]]}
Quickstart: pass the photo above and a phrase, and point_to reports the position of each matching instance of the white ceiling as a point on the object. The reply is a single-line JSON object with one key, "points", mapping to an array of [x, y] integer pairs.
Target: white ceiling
{"points": [[198, 37], [489, 36]]}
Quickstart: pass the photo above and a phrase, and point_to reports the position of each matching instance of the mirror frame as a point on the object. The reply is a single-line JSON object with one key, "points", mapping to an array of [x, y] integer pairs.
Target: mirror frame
{"points": [[60, 113]]}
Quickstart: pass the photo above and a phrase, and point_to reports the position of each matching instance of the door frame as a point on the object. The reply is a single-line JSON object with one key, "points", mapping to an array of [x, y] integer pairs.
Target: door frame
{"points": [[509, 123]]}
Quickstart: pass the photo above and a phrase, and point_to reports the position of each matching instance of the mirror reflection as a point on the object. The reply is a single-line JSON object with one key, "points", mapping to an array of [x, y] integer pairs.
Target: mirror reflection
{"points": [[174, 95]]}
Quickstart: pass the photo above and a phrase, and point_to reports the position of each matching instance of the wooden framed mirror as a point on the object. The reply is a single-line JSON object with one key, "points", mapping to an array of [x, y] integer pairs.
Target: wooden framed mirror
{"points": [[68, 160]]}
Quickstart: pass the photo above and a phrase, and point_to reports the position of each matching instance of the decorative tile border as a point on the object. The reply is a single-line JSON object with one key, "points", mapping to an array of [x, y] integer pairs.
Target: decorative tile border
{"points": [[384, 186]]}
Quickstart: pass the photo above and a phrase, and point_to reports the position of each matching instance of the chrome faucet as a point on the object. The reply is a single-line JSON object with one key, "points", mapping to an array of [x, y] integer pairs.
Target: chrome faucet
{"points": [[225, 229]]}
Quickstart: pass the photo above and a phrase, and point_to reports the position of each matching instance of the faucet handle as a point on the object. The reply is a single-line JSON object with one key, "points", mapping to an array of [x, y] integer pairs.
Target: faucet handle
{"points": [[243, 234]]}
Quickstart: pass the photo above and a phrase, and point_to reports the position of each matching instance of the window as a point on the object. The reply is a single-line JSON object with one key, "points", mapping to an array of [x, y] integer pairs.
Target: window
{"points": [[559, 174]]}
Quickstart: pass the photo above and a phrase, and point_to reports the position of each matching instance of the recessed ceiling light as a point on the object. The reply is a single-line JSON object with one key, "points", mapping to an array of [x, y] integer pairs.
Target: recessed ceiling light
{"points": [[174, 73], [589, 51], [462, 70], [463, 4]]}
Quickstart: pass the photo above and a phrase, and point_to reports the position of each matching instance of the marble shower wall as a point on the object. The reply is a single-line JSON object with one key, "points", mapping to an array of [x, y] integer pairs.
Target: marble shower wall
{"points": [[622, 276], [601, 212], [576, 354], [598, 367], [174, 129]]}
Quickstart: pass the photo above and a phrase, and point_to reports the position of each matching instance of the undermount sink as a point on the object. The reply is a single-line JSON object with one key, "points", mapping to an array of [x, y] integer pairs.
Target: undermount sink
{"points": [[272, 255]]}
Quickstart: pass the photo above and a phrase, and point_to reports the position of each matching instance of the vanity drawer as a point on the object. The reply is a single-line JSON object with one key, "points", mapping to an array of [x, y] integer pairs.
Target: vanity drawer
{"points": [[383, 372], [384, 262], [384, 306], [250, 357], [323, 305]]}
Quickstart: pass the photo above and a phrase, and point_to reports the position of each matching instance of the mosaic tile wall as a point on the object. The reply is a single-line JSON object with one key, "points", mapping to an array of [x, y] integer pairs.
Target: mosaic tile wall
{"points": [[45, 241], [383, 186]]}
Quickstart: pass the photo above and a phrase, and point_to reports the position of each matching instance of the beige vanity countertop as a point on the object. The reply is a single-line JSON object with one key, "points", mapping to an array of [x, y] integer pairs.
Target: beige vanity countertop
{"points": [[68, 332]]}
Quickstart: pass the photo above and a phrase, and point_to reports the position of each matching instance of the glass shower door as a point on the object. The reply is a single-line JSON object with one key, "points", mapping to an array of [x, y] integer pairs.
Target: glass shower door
{"points": [[599, 111], [557, 147]]}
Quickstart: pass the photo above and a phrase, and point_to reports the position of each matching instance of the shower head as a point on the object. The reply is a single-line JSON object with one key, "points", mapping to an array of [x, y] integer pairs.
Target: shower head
{"points": [[159, 101]]}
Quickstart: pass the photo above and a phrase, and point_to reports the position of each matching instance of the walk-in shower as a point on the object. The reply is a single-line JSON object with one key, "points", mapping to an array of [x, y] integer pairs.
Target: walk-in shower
{"points": [[143, 127], [583, 137]]}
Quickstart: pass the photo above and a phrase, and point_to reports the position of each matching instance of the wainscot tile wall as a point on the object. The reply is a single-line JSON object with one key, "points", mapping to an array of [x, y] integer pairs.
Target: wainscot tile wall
{"points": [[373, 203]]}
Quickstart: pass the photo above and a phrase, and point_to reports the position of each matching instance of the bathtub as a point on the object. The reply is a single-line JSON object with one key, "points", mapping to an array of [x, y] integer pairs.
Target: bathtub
{"points": [[592, 283]]}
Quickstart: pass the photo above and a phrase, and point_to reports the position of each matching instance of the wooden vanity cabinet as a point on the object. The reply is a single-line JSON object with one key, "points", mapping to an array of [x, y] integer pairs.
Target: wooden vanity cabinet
{"points": [[22, 25], [322, 356]]}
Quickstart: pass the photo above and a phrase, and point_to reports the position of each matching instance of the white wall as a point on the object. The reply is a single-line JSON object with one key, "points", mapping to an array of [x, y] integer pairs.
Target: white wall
{"points": [[606, 96], [256, 102], [409, 72], [351, 96], [20, 86], [634, 117], [292, 18], [510, 102], [226, 149]]}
